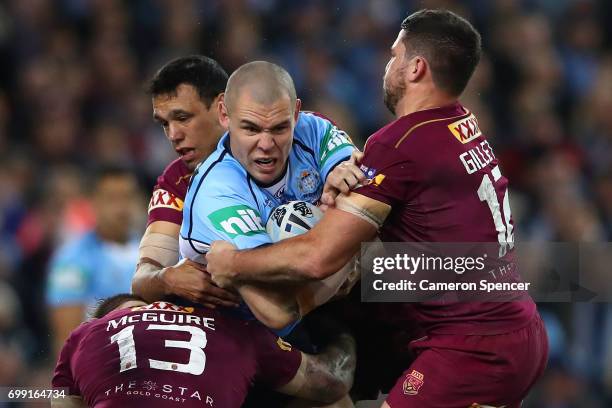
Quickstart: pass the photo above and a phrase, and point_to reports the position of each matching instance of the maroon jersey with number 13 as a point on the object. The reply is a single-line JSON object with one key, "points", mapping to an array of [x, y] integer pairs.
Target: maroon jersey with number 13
{"points": [[163, 355]]}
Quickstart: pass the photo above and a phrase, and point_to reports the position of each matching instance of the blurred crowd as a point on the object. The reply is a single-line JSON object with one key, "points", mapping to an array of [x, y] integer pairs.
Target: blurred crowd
{"points": [[72, 98]]}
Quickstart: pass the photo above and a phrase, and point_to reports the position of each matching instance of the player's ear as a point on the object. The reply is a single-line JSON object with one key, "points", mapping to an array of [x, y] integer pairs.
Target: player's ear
{"points": [[417, 67], [298, 106], [215, 103], [223, 116]]}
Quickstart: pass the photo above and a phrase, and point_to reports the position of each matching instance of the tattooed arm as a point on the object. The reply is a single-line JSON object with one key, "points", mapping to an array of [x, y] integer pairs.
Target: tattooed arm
{"points": [[325, 377]]}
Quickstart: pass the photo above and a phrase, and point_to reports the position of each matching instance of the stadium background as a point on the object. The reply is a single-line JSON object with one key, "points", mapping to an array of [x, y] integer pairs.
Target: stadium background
{"points": [[72, 78]]}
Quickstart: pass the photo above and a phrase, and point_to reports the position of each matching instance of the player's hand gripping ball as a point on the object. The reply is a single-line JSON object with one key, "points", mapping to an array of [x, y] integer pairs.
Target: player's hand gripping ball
{"points": [[291, 219]]}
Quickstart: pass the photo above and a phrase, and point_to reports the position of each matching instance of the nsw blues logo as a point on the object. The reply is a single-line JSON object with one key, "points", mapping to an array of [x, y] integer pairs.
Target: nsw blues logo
{"points": [[308, 183]]}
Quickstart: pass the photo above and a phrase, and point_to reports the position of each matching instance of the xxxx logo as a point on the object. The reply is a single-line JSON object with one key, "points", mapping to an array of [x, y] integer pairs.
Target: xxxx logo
{"points": [[165, 306], [466, 129], [165, 199]]}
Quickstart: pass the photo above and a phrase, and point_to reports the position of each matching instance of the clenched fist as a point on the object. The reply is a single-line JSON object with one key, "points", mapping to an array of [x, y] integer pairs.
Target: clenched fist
{"points": [[191, 281], [219, 259]]}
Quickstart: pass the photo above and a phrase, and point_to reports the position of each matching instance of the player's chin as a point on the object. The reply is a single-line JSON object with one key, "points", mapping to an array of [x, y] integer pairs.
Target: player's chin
{"points": [[264, 175], [263, 179], [192, 163]]}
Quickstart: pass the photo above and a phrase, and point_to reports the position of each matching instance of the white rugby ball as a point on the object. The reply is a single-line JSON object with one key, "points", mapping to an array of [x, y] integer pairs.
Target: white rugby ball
{"points": [[291, 219]]}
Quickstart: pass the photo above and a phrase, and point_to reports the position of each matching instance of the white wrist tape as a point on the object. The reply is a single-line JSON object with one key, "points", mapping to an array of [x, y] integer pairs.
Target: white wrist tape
{"points": [[161, 248]]}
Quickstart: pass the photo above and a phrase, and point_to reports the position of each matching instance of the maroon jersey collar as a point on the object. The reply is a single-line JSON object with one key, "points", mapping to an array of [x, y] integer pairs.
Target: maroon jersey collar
{"points": [[453, 109]]}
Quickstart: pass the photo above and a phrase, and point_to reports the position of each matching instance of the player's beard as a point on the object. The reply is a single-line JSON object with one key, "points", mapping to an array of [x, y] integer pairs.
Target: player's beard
{"points": [[393, 94]]}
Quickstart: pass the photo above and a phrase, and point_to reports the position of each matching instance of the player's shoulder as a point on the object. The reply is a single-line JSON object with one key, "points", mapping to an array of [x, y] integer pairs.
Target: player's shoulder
{"points": [[73, 343], [220, 174], [176, 169], [321, 138], [311, 125], [81, 332], [90, 329], [421, 127], [315, 117], [174, 178]]}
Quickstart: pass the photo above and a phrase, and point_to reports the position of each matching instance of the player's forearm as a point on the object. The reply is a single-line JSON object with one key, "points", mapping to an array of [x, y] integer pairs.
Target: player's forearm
{"points": [[290, 261], [274, 308], [159, 249], [148, 282]]}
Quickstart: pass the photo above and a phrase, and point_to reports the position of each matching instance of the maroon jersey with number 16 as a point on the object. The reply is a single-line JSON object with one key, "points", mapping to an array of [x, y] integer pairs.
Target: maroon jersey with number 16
{"points": [[442, 180], [163, 355]]}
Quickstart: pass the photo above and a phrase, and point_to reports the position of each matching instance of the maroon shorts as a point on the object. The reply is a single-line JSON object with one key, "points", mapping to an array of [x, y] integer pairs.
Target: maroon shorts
{"points": [[459, 371]]}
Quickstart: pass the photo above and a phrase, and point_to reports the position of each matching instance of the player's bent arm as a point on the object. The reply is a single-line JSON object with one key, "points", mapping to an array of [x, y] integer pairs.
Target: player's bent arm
{"points": [[278, 307], [159, 249], [275, 308], [316, 293], [321, 251], [325, 377], [70, 401]]}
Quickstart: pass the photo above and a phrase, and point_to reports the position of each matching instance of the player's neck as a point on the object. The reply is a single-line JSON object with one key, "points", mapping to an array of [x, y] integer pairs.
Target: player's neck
{"points": [[416, 103]]}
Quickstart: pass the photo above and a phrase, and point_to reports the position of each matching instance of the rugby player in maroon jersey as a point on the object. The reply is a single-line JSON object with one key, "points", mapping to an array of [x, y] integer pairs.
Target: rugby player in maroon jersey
{"points": [[161, 354], [434, 178], [185, 94]]}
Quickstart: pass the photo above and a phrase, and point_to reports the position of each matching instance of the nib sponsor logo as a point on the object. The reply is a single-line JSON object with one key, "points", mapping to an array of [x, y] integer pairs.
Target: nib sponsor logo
{"points": [[466, 129], [237, 220], [334, 140]]}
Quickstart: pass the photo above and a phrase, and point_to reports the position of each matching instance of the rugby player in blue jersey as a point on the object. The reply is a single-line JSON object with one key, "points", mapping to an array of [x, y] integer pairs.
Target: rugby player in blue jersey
{"points": [[271, 154], [98, 263]]}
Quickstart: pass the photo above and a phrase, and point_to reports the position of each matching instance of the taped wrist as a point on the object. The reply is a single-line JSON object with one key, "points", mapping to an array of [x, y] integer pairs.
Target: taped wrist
{"points": [[161, 248]]}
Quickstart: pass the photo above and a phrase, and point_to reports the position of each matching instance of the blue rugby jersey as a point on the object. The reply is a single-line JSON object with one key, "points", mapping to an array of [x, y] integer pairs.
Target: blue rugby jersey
{"points": [[225, 203]]}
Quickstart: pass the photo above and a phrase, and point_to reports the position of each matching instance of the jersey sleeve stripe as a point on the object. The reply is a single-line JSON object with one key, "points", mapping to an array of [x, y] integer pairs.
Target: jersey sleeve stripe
{"points": [[331, 153], [194, 243], [418, 125], [249, 179], [325, 139]]}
